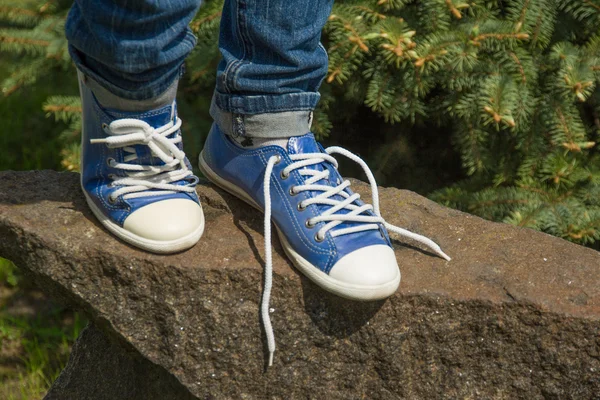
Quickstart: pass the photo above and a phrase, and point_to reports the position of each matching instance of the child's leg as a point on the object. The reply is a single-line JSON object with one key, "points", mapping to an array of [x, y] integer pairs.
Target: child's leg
{"points": [[261, 150], [135, 176], [273, 64], [135, 49]]}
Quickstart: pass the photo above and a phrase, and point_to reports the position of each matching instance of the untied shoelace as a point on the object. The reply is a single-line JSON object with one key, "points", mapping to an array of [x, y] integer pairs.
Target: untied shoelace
{"points": [[329, 216], [141, 179]]}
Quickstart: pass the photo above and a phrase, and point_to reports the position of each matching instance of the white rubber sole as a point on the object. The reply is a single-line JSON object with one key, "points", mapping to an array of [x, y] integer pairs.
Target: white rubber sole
{"points": [[340, 288], [153, 246]]}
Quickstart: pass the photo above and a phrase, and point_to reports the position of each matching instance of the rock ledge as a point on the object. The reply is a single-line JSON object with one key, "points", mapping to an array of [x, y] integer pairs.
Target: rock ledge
{"points": [[515, 314]]}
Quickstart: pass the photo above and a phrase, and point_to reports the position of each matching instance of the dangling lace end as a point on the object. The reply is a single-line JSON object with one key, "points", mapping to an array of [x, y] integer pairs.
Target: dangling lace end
{"points": [[268, 259], [419, 238], [443, 255], [436, 249]]}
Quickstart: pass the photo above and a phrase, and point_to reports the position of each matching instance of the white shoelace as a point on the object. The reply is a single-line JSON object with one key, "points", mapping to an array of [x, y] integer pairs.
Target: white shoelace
{"points": [[141, 179], [329, 216]]}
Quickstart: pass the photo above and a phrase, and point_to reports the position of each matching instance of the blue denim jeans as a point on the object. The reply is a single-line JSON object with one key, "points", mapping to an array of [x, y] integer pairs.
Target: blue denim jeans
{"points": [[267, 81]]}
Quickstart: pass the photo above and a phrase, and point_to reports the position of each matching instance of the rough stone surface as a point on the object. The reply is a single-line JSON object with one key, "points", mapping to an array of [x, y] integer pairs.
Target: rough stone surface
{"points": [[101, 369], [515, 314]]}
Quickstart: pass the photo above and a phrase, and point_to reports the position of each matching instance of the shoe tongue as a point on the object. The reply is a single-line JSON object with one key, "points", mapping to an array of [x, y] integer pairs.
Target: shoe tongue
{"points": [[155, 118], [308, 144], [303, 144]]}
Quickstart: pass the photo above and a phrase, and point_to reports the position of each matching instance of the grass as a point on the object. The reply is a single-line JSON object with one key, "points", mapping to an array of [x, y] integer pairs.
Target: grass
{"points": [[35, 337]]}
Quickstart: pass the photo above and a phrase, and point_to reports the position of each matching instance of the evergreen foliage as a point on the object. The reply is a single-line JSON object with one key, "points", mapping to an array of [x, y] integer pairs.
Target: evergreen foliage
{"points": [[513, 82], [32, 32]]}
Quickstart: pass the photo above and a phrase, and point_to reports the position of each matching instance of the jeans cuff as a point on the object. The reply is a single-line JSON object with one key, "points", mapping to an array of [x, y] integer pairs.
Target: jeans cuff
{"points": [[144, 92], [264, 125], [252, 104]]}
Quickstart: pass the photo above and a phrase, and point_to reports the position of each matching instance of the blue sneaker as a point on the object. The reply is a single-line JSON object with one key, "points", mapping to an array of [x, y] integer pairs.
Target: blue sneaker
{"points": [[136, 178], [329, 234]]}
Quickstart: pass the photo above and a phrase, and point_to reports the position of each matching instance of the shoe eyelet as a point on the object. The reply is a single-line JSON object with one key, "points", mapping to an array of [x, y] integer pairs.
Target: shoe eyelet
{"points": [[283, 175], [278, 159], [111, 178], [111, 199], [109, 160], [319, 240], [292, 192], [193, 180], [301, 207], [308, 224], [104, 126]]}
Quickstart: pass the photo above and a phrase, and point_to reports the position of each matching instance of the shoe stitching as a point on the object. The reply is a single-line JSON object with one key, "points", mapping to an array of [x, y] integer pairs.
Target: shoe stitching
{"points": [[99, 185], [147, 114]]}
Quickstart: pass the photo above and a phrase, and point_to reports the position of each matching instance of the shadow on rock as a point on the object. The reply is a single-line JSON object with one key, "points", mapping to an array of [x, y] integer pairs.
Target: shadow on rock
{"points": [[246, 218], [334, 315]]}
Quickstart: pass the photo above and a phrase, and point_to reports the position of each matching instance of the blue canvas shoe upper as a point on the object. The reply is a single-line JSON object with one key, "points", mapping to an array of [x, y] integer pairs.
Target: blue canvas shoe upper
{"points": [[246, 169], [136, 177], [329, 233]]}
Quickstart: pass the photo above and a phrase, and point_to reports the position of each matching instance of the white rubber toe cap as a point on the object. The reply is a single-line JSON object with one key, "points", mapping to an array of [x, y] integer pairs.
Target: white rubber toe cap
{"points": [[370, 266], [165, 220]]}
